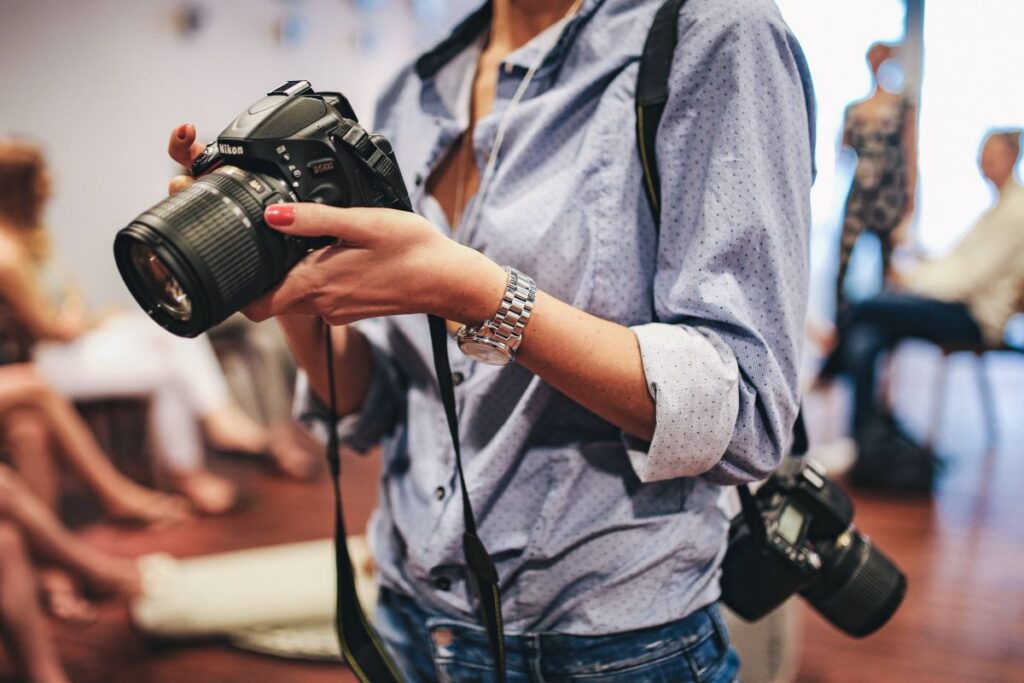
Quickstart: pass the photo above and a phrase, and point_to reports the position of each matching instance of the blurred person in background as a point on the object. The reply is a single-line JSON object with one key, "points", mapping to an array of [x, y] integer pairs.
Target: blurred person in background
{"points": [[116, 355], [35, 419], [30, 533], [965, 297], [38, 422], [881, 131]]}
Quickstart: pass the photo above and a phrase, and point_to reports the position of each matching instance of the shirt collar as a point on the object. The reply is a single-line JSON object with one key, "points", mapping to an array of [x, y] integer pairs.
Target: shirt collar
{"points": [[477, 22]]}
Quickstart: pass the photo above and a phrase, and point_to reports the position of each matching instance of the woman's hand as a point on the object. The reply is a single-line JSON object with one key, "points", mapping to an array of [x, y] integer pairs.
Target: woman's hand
{"points": [[386, 262]]}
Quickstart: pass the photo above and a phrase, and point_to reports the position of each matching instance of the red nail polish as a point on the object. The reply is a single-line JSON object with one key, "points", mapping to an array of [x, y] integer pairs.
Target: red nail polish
{"points": [[280, 215], [181, 131]]}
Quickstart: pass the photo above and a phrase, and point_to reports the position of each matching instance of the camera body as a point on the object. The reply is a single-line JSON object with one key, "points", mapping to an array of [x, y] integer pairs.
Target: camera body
{"points": [[198, 256], [796, 535]]}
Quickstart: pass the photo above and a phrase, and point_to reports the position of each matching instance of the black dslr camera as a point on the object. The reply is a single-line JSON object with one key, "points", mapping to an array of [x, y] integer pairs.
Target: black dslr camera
{"points": [[198, 256], [796, 534]]}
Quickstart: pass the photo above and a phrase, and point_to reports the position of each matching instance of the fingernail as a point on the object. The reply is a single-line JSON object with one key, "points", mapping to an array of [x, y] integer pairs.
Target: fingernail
{"points": [[182, 129], [280, 215]]}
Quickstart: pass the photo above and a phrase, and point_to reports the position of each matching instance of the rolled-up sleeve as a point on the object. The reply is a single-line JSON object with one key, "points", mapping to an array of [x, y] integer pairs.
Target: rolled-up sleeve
{"points": [[381, 410], [734, 150]]}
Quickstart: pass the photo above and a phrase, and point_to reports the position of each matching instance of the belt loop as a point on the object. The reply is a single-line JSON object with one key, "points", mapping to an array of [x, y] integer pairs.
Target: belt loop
{"points": [[720, 628]]}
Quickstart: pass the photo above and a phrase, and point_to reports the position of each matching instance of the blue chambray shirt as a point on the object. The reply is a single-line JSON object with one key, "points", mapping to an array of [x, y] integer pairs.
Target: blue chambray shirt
{"points": [[592, 531]]}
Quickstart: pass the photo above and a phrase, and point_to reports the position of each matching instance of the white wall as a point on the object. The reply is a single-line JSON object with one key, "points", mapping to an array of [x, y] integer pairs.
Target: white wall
{"points": [[835, 45], [973, 81], [101, 83]]}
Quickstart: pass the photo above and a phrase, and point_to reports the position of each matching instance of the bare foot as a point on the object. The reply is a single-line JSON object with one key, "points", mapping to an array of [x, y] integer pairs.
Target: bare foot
{"points": [[209, 493], [63, 599], [134, 503], [293, 451], [229, 429]]}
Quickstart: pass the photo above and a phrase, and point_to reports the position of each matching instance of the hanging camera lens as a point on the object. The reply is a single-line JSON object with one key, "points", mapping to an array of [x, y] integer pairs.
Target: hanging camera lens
{"points": [[202, 254], [796, 534]]}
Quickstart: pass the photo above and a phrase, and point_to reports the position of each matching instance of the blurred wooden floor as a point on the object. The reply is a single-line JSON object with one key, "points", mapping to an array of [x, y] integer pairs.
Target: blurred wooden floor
{"points": [[963, 619]]}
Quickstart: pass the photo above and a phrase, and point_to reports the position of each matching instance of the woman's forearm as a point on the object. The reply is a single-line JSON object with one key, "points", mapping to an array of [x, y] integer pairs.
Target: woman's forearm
{"points": [[594, 362], [392, 262], [353, 363]]}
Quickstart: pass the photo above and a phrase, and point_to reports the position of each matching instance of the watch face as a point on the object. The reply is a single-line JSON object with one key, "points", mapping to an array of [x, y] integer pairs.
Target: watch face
{"points": [[481, 350]]}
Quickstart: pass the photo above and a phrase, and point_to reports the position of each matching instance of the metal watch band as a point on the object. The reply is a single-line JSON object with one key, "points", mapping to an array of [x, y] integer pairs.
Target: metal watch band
{"points": [[514, 311], [504, 332]]}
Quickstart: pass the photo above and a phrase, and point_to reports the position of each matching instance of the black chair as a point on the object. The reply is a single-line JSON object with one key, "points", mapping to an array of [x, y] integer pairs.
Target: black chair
{"points": [[981, 352]]}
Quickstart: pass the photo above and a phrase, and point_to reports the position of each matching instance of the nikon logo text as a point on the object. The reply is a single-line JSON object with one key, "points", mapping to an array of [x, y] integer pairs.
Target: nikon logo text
{"points": [[231, 149]]}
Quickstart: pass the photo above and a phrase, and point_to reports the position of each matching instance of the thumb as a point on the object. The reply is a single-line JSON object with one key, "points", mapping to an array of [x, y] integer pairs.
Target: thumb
{"points": [[354, 226]]}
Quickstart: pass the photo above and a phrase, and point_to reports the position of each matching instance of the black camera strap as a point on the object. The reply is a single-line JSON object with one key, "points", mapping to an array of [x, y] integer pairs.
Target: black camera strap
{"points": [[360, 644]]}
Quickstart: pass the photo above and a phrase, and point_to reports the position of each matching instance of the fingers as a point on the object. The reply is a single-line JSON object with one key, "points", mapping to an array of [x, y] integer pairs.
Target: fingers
{"points": [[290, 297], [182, 145], [353, 226], [179, 183]]}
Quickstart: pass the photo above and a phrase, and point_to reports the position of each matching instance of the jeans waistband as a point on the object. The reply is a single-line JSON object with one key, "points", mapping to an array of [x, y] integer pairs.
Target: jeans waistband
{"points": [[701, 633]]}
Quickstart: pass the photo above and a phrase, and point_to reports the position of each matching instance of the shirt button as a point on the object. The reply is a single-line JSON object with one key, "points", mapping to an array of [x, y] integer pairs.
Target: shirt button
{"points": [[443, 583], [457, 378], [439, 493]]}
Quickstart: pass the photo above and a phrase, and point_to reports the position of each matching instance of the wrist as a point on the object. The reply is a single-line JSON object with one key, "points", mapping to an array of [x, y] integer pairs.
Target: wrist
{"points": [[470, 289]]}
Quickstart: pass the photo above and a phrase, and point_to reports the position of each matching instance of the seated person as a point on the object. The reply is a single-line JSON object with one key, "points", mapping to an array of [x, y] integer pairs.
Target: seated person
{"points": [[965, 297], [29, 531], [37, 421]]}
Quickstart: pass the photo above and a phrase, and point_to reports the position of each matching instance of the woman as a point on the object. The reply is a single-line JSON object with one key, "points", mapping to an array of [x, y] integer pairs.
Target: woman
{"points": [[595, 461], [881, 130], [118, 355]]}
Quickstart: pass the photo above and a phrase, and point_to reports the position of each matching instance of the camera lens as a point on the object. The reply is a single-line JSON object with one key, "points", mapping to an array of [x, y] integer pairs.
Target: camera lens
{"points": [[200, 255], [161, 283], [860, 588]]}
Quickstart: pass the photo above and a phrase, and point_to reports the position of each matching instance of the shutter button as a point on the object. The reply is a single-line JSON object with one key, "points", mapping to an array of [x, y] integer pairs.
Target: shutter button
{"points": [[457, 378], [439, 493]]}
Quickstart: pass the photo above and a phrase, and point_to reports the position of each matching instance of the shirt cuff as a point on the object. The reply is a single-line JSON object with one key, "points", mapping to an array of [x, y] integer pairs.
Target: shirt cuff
{"points": [[360, 430], [694, 381]]}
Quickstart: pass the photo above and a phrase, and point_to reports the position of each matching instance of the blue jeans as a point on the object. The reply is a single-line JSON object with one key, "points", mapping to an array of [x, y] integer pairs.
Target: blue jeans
{"points": [[433, 647], [878, 324]]}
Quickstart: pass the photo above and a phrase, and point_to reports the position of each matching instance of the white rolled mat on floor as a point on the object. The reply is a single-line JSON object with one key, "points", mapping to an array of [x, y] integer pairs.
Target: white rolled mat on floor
{"points": [[276, 599]]}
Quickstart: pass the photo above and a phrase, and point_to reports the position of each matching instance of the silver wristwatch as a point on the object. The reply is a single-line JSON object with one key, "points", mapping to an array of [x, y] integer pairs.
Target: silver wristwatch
{"points": [[496, 340]]}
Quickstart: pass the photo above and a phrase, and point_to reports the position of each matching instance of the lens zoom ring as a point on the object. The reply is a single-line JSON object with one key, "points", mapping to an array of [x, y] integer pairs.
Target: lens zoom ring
{"points": [[232, 187], [214, 228], [870, 595]]}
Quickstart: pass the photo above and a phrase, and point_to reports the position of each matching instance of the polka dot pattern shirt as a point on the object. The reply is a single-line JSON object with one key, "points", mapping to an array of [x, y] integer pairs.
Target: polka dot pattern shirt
{"points": [[592, 530]]}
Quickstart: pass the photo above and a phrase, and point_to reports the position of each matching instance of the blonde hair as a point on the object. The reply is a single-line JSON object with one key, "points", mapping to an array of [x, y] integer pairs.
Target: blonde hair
{"points": [[23, 192]]}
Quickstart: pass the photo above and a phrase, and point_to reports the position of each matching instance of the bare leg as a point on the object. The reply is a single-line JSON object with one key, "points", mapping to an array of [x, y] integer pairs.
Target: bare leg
{"points": [[23, 622], [229, 429], [53, 542], [28, 443], [21, 387]]}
